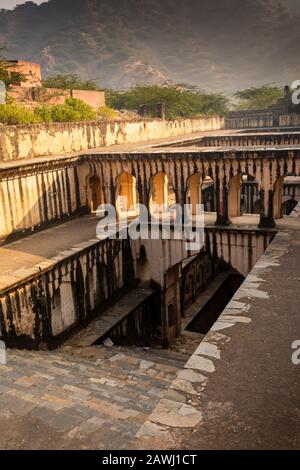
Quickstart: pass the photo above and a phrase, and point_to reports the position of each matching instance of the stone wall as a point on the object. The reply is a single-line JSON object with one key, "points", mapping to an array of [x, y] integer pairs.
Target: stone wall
{"points": [[261, 121], [251, 122], [53, 96], [66, 291], [40, 140], [44, 306], [38, 197], [36, 193], [289, 120]]}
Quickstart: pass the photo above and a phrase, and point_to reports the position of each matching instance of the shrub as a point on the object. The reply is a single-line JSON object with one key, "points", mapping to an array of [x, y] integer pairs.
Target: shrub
{"points": [[72, 110], [12, 114], [107, 113]]}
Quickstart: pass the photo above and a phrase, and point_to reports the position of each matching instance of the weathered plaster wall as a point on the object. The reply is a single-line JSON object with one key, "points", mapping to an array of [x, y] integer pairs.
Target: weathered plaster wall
{"points": [[60, 293], [249, 122], [23, 142], [262, 121], [289, 120], [34, 195], [64, 292], [38, 197], [239, 248]]}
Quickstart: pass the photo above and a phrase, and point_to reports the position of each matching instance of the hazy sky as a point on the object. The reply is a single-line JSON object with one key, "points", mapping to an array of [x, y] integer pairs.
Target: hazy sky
{"points": [[294, 4], [13, 3]]}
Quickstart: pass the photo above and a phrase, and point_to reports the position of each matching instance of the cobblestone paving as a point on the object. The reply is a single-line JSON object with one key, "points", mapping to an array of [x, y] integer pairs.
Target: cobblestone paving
{"points": [[89, 398]]}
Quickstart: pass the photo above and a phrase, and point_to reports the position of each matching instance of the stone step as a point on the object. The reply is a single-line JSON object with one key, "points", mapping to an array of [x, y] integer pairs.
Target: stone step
{"points": [[101, 325], [138, 392], [134, 370]]}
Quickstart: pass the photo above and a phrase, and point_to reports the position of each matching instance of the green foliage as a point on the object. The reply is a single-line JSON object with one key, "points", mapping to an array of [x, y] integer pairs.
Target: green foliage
{"points": [[258, 97], [107, 113], [72, 110], [13, 114], [69, 82], [180, 100], [6, 75]]}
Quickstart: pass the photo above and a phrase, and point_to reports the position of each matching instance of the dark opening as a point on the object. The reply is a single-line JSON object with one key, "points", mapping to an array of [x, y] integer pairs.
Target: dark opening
{"points": [[211, 311], [172, 315]]}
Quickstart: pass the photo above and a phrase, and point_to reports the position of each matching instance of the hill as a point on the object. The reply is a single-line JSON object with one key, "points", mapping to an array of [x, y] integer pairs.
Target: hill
{"points": [[216, 44]]}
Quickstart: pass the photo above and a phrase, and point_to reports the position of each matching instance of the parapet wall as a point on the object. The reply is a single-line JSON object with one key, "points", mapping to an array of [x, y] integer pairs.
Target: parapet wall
{"points": [[289, 120], [250, 122], [260, 120], [24, 142]]}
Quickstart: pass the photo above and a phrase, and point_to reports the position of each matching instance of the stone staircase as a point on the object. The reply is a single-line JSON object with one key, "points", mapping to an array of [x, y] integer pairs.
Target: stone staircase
{"points": [[86, 398]]}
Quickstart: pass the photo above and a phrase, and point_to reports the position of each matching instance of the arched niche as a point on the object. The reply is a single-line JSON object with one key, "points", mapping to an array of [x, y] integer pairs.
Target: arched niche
{"points": [[162, 195], [126, 195], [95, 193], [243, 196], [208, 194]]}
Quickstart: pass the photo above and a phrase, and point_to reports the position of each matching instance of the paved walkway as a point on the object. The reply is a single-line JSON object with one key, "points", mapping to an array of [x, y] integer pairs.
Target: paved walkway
{"points": [[240, 389], [18, 258], [95, 398]]}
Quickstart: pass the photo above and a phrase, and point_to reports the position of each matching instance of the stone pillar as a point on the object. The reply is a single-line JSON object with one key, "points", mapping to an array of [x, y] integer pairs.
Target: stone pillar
{"points": [[266, 199], [180, 194], [277, 197], [221, 191], [266, 209]]}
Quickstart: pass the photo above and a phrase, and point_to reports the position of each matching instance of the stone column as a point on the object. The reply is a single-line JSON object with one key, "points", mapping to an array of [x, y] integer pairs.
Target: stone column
{"points": [[266, 198], [266, 209], [221, 191]]}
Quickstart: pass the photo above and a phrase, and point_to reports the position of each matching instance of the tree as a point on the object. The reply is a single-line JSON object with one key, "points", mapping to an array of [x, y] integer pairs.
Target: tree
{"points": [[7, 75], [257, 97], [180, 100], [69, 82]]}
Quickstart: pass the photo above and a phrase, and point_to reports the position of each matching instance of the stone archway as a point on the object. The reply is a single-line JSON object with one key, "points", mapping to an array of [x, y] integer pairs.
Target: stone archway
{"points": [[208, 194], [96, 196], [194, 196], [234, 196], [243, 196], [250, 198], [126, 199], [162, 195]]}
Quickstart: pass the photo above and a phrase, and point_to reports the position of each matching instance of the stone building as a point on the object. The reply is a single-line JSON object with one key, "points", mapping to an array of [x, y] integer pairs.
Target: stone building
{"points": [[30, 90]]}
